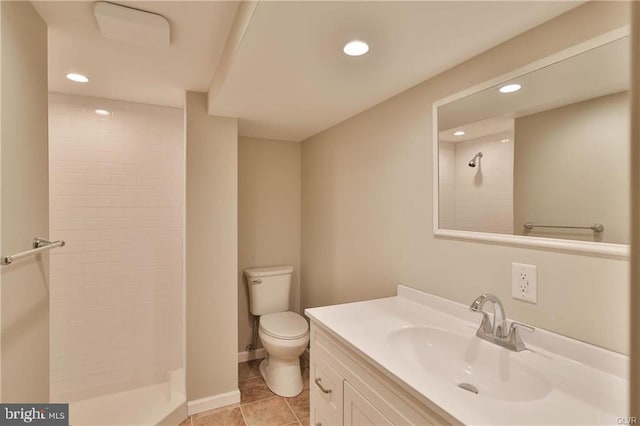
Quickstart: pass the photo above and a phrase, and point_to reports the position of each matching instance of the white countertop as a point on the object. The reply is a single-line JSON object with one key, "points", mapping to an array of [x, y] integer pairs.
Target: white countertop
{"points": [[585, 384]]}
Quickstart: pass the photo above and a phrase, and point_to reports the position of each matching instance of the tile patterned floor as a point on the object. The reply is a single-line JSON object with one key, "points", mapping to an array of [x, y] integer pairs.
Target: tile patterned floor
{"points": [[258, 405]]}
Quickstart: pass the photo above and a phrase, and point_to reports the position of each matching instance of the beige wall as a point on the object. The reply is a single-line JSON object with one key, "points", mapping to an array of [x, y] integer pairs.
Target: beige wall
{"points": [[634, 300], [1, 250], [25, 205], [571, 168], [367, 209], [269, 184], [211, 250]]}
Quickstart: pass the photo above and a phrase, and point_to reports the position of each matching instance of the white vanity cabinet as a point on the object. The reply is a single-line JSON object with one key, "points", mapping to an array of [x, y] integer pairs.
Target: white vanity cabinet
{"points": [[348, 390]]}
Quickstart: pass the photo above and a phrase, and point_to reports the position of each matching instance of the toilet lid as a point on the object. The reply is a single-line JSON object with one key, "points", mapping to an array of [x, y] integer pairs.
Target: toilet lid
{"points": [[284, 325]]}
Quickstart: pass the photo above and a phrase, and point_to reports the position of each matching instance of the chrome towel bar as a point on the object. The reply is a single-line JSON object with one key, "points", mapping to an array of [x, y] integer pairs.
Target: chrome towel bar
{"points": [[39, 245], [596, 227]]}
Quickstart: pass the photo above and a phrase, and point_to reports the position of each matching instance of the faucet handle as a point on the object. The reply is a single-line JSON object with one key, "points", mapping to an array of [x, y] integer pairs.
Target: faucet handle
{"points": [[515, 342], [485, 325], [515, 324]]}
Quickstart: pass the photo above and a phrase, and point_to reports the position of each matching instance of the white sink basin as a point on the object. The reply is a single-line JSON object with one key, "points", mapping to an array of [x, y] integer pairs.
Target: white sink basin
{"points": [[493, 371], [427, 345]]}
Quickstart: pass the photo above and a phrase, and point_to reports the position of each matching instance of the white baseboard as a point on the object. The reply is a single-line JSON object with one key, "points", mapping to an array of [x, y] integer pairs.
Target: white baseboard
{"points": [[211, 402], [248, 356]]}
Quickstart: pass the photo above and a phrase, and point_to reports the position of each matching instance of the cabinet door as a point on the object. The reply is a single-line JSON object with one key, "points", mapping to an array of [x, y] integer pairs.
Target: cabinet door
{"points": [[319, 417], [358, 411], [326, 392]]}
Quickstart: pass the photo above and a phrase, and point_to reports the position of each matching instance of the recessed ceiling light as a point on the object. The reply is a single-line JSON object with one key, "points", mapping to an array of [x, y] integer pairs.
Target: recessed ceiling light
{"points": [[78, 78], [505, 140], [510, 88], [102, 112], [459, 133], [355, 48]]}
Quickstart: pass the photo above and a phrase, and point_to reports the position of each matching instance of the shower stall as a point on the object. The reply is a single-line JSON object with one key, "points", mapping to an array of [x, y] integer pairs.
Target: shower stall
{"points": [[117, 315]]}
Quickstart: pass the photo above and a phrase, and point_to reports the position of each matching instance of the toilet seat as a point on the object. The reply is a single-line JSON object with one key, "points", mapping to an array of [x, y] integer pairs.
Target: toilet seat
{"points": [[284, 325]]}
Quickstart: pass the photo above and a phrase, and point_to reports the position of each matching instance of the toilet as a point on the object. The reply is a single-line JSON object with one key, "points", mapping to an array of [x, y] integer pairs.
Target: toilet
{"points": [[284, 334]]}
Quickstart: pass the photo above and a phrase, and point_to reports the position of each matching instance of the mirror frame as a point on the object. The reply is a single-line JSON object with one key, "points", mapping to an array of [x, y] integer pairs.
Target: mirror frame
{"points": [[605, 249]]}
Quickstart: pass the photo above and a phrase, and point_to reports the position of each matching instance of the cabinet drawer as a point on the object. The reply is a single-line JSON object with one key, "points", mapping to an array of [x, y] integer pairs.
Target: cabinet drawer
{"points": [[325, 392]]}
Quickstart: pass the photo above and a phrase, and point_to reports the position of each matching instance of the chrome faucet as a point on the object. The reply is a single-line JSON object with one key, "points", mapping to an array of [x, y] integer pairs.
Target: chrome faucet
{"points": [[497, 332], [498, 328]]}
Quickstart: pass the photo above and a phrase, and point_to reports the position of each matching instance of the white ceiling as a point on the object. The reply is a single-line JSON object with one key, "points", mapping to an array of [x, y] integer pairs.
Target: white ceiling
{"points": [[597, 72], [490, 126], [290, 80], [120, 70], [285, 76]]}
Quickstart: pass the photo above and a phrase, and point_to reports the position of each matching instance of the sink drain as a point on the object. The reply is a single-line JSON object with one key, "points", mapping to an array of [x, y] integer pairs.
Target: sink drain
{"points": [[468, 387]]}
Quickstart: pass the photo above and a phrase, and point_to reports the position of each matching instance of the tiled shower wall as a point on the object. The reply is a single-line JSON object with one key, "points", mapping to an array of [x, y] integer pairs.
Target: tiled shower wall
{"points": [[477, 198], [117, 199]]}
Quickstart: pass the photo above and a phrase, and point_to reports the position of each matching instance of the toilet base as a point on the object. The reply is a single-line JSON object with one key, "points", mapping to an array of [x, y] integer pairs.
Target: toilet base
{"points": [[283, 377]]}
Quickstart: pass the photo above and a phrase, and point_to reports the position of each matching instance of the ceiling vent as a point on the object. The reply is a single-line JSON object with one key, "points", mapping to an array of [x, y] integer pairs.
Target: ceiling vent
{"points": [[132, 25]]}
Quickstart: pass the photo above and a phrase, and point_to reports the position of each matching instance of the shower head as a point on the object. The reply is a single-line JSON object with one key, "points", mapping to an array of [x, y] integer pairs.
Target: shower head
{"points": [[472, 163]]}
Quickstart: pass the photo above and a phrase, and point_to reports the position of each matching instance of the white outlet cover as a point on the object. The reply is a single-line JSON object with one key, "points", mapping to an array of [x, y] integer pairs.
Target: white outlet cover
{"points": [[524, 282]]}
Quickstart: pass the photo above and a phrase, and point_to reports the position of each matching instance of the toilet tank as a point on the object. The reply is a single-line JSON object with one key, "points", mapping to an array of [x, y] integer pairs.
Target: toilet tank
{"points": [[269, 289]]}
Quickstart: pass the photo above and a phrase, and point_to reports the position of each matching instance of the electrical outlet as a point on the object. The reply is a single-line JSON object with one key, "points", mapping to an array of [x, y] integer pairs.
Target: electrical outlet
{"points": [[524, 282]]}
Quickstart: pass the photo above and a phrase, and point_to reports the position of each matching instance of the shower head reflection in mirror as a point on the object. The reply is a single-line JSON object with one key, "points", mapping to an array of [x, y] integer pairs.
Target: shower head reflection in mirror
{"points": [[472, 163], [533, 138]]}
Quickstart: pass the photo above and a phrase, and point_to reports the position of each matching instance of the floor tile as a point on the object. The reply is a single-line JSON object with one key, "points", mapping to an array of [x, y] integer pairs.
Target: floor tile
{"points": [[249, 369], [216, 410], [253, 390], [269, 412], [259, 406], [300, 404], [305, 378], [304, 360], [227, 416]]}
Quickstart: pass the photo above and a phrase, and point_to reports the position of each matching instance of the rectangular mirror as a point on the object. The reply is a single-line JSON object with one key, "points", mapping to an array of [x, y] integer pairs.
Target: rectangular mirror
{"points": [[541, 156]]}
